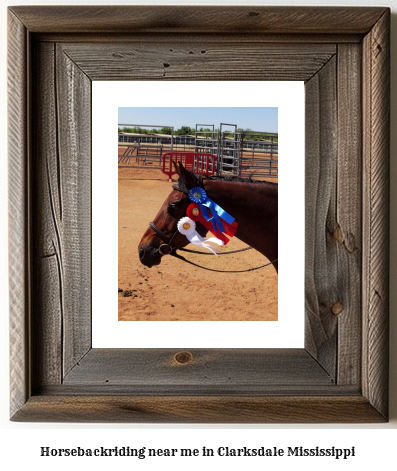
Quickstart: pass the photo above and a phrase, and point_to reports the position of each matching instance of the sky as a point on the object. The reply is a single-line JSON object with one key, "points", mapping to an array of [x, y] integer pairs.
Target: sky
{"points": [[255, 118]]}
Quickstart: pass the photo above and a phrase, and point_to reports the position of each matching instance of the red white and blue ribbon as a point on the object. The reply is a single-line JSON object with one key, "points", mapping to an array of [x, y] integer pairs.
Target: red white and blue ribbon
{"points": [[194, 212], [187, 227], [217, 216]]}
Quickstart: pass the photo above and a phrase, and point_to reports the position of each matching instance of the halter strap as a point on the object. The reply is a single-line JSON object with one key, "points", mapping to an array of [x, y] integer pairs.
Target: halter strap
{"points": [[161, 233], [167, 248]]}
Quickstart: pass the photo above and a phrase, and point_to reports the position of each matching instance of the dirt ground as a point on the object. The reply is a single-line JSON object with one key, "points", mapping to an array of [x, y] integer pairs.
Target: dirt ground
{"points": [[174, 290]]}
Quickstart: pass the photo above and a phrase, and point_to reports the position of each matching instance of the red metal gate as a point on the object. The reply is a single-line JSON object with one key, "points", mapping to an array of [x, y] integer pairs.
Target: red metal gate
{"points": [[201, 163]]}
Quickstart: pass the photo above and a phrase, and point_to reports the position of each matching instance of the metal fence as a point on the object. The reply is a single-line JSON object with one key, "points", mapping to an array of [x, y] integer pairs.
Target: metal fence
{"points": [[241, 153], [259, 155]]}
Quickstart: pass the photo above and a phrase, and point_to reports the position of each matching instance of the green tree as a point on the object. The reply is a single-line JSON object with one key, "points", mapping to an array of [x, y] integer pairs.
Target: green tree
{"points": [[183, 130], [164, 131]]}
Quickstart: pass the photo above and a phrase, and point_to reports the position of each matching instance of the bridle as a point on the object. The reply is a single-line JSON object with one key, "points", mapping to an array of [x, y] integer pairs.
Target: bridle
{"points": [[167, 248]]}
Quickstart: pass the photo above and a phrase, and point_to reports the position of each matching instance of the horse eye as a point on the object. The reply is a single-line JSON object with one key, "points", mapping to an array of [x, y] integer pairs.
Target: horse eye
{"points": [[172, 207]]}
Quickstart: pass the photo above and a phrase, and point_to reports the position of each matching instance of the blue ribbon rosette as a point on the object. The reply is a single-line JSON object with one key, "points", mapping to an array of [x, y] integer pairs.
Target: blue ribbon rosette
{"points": [[199, 196]]}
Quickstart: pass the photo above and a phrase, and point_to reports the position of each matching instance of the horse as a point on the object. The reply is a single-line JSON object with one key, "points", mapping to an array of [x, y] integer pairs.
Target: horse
{"points": [[253, 205]]}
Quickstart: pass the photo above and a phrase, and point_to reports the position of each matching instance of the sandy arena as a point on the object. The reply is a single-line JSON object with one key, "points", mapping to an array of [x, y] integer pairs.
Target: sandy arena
{"points": [[174, 290]]}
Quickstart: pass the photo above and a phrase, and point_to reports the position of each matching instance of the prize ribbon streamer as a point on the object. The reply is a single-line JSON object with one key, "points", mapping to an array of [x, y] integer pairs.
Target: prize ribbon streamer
{"points": [[194, 212], [187, 227], [198, 195]]}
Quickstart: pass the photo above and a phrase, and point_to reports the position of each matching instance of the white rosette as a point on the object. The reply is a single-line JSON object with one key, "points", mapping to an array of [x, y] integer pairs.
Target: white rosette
{"points": [[187, 227]]}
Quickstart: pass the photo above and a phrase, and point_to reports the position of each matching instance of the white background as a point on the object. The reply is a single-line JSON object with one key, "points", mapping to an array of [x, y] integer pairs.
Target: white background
{"points": [[288, 330], [375, 444]]}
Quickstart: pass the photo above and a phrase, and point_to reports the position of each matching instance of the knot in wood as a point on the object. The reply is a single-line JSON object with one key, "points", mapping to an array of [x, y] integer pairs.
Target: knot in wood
{"points": [[183, 358], [338, 235], [337, 308]]}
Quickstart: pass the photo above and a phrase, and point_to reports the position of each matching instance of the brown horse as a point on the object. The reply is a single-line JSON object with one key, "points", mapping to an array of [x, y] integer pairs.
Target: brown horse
{"points": [[253, 205]]}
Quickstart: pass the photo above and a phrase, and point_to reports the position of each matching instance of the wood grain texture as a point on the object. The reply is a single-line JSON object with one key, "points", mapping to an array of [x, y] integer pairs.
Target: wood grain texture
{"points": [[199, 409], [62, 204], [376, 92], [154, 370], [347, 225], [48, 301], [197, 19], [185, 59], [341, 375], [73, 89], [245, 37], [321, 278], [18, 213]]}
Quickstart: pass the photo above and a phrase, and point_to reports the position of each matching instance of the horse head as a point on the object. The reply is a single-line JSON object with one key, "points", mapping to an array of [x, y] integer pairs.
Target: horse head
{"points": [[162, 237]]}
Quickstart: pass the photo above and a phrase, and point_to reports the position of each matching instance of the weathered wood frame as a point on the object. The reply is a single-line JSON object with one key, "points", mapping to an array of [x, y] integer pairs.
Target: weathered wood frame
{"points": [[342, 54]]}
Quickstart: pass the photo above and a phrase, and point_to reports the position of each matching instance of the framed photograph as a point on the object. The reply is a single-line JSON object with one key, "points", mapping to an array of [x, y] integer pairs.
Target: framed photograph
{"points": [[232, 287], [216, 280], [340, 374]]}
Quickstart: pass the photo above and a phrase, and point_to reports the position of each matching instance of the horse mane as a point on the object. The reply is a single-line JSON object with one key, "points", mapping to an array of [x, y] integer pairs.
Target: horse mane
{"points": [[181, 186]]}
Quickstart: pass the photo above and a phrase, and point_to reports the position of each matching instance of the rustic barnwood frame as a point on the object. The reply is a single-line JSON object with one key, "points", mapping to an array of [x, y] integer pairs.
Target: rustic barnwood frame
{"points": [[342, 54]]}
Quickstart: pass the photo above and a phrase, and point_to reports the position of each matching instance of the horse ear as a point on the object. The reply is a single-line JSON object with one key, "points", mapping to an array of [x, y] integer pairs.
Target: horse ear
{"points": [[176, 168], [187, 176]]}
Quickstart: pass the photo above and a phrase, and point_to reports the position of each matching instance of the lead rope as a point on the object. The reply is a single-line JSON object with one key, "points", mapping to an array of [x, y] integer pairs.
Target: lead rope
{"points": [[219, 271], [221, 253]]}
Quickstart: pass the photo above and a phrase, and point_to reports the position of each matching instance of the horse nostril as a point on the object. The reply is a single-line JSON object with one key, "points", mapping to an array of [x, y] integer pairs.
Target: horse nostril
{"points": [[141, 253]]}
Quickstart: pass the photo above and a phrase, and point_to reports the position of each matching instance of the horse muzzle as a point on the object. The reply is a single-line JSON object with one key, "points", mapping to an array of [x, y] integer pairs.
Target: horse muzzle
{"points": [[149, 256]]}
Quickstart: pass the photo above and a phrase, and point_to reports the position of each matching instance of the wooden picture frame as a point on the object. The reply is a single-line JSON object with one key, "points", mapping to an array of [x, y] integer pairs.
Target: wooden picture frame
{"points": [[342, 54]]}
